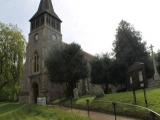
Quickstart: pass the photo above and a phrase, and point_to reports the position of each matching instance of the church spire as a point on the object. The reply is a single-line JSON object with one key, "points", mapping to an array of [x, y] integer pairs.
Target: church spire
{"points": [[46, 7]]}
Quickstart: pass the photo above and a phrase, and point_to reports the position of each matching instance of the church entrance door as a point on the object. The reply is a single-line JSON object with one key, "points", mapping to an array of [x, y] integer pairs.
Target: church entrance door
{"points": [[35, 92]]}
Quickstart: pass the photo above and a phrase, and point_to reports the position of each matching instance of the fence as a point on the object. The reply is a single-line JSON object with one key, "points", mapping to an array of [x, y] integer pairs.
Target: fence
{"points": [[118, 108]]}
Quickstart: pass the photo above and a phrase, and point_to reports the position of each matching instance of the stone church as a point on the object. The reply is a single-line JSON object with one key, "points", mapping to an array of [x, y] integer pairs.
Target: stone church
{"points": [[45, 33]]}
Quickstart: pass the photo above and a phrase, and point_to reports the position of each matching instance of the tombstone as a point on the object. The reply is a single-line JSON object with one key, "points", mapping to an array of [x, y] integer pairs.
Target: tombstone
{"points": [[75, 92]]}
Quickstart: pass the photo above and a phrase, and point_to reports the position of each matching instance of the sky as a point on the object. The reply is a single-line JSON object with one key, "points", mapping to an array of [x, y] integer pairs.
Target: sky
{"points": [[91, 23]]}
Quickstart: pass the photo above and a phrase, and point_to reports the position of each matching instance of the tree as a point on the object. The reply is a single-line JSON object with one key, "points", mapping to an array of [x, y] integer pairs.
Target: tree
{"points": [[100, 70], [129, 48], [158, 60], [117, 73], [11, 58], [67, 65]]}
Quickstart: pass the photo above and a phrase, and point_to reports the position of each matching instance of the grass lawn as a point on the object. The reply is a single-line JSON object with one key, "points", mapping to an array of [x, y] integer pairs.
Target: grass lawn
{"points": [[153, 97], [13, 111], [104, 104]]}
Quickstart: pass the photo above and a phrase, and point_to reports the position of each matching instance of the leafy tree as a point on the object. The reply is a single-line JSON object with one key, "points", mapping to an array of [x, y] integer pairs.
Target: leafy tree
{"points": [[129, 48], [67, 65], [117, 73], [100, 70], [158, 60], [11, 58]]}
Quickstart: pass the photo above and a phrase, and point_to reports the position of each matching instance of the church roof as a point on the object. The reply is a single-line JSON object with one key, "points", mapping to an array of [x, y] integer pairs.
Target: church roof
{"points": [[46, 7], [87, 55]]}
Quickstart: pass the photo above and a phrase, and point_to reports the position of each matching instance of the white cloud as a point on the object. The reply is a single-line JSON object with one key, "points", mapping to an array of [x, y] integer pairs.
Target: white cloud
{"points": [[91, 23]]}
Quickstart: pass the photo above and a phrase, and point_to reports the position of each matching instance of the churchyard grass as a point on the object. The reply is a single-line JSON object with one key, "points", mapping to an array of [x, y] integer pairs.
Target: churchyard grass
{"points": [[13, 111], [153, 97], [104, 104]]}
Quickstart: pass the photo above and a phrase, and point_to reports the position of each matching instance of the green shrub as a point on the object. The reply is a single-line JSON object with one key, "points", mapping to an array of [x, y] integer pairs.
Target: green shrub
{"points": [[96, 91]]}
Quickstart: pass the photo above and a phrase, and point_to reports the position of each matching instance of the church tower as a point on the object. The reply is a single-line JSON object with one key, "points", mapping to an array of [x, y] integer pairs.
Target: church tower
{"points": [[45, 34]]}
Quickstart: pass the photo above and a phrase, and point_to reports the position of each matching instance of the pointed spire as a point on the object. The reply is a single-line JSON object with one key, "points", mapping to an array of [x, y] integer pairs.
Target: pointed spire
{"points": [[45, 7]]}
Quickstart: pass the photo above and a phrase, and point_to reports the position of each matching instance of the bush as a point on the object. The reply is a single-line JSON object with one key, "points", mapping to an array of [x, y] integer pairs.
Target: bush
{"points": [[96, 90]]}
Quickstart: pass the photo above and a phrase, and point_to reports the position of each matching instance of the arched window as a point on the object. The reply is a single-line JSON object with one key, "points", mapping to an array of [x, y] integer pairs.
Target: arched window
{"points": [[36, 63]]}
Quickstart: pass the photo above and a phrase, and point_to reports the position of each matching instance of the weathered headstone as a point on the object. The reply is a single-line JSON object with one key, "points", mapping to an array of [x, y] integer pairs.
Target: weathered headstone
{"points": [[75, 91]]}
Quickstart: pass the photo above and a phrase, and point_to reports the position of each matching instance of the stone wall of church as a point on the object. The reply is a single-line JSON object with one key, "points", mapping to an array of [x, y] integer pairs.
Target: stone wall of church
{"points": [[42, 39]]}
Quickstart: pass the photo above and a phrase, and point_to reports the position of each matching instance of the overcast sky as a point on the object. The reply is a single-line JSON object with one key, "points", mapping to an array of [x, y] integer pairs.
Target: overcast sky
{"points": [[91, 23]]}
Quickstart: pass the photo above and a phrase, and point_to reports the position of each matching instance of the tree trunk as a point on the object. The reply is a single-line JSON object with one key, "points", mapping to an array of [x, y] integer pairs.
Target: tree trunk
{"points": [[106, 88], [3, 85]]}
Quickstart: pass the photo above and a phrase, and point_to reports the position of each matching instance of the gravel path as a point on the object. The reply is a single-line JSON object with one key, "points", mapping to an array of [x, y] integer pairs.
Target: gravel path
{"points": [[97, 115]]}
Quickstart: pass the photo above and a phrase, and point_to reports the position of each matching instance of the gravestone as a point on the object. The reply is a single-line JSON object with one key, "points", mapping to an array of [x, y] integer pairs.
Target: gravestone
{"points": [[75, 91]]}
